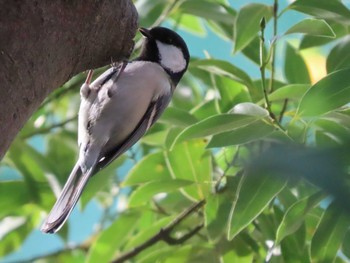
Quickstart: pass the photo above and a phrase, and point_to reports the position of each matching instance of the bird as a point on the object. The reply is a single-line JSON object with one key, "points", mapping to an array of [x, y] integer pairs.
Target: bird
{"points": [[118, 108]]}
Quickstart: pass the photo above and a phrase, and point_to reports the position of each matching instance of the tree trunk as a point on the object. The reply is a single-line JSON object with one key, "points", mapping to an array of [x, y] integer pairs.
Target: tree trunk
{"points": [[44, 43]]}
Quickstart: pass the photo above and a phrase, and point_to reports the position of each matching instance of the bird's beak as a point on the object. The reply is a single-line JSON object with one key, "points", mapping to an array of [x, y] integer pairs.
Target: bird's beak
{"points": [[145, 32]]}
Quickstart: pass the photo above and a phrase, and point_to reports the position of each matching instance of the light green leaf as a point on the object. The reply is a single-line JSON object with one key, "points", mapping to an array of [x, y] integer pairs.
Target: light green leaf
{"points": [[191, 24], [339, 57], [249, 108], [144, 193], [112, 238], [190, 161], [324, 9], [207, 10], [214, 125], [155, 138], [247, 23], [314, 27], [295, 68], [330, 93], [217, 210], [151, 168], [295, 215], [329, 234], [251, 132], [231, 93], [308, 41], [255, 192], [290, 92], [223, 68], [177, 117]]}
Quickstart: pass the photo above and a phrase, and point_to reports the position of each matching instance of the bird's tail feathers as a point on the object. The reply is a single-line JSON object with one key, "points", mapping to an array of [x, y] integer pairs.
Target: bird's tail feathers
{"points": [[67, 200]]}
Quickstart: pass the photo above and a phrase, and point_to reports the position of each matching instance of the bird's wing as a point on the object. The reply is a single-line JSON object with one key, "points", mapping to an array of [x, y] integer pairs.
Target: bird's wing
{"points": [[152, 114]]}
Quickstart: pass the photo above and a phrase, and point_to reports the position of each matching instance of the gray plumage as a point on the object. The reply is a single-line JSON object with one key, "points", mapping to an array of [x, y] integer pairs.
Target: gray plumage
{"points": [[118, 108]]}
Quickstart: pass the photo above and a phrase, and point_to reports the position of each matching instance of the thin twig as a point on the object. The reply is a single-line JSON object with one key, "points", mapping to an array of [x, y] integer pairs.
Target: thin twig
{"points": [[273, 60], [164, 234], [263, 63], [284, 108]]}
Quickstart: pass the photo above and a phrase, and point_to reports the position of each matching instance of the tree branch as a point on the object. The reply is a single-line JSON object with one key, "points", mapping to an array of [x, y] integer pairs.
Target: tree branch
{"points": [[44, 43], [165, 234]]}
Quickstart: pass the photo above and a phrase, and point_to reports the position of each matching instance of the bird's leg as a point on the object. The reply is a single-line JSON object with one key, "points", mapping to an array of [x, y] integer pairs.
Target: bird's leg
{"points": [[85, 88]]}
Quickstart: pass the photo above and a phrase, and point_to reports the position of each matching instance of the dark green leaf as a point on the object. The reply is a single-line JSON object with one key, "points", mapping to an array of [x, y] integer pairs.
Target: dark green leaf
{"points": [[251, 132], [295, 215], [330, 93], [324, 9], [111, 239], [295, 68], [311, 26], [152, 167], [190, 161], [255, 192], [339, 57], [223, 68], [177, 117], [214, 125], [329, 234], [144, 193], [247, 23]]}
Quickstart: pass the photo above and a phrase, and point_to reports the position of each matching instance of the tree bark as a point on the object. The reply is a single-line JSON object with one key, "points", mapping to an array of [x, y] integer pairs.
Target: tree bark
{"points": [[44, 43]]}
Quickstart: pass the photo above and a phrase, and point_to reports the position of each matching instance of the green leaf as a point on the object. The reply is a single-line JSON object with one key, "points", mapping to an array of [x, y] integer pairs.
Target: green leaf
{"points": [[231, 93], [309, 41], [112, 238], [13, 201], [155, 138], [295, 215], [329, 234], [330, 93], [247, 23], [207, 10], [255, 192], [324, 9], [223, 68], [346, 244], [295, 68], [251, 132], [190, 161], [339, 57], [151, 168], [214, 125], [177, 117], [311, 26], [217, 209], [290, 92], [191, 24], [252, 51], [144, 193], [147, 232]]}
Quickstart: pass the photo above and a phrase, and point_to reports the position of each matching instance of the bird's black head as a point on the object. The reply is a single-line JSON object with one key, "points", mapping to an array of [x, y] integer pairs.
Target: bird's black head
{"points": [[167, 48]]}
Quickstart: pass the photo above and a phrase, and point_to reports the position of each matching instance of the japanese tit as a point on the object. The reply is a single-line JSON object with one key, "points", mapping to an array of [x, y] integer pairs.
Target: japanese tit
{"points": [[118, 108]]}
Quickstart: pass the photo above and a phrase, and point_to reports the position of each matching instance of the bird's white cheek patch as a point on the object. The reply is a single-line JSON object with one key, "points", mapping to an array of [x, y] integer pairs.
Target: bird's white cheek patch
{"points": [[171, 57]]}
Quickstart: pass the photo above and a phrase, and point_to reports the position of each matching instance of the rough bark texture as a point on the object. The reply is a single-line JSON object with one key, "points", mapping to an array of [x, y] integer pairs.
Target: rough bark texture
{"points": [[45, 43]]}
